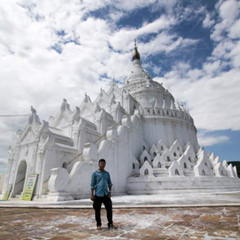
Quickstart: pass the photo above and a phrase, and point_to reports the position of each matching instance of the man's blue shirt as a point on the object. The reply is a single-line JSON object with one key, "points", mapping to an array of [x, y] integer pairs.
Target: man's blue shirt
{"points": [[100, 182]]}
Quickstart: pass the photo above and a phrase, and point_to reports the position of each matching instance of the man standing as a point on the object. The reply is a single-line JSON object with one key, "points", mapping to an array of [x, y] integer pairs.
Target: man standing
{"points": [[102, 185]]}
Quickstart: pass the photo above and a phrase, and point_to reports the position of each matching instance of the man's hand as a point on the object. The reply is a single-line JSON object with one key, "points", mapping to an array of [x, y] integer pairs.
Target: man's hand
{"points": [[92, 198], [109, 194]]}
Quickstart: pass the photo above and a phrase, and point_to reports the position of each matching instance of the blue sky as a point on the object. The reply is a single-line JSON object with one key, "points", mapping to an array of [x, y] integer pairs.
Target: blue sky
{"points": [[50, 50]]}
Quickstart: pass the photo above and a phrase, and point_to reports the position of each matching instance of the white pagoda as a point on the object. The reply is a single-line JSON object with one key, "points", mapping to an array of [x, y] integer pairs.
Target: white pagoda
{"points": [[149, 143]]}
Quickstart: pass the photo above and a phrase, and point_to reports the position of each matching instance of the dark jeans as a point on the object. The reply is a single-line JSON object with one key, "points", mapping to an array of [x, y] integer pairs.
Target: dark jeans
{"points": [[97, 207]]}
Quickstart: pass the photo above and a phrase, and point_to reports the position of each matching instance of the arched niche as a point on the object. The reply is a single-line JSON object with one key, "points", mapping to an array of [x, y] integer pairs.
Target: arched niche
{"points": [[20, 178]]}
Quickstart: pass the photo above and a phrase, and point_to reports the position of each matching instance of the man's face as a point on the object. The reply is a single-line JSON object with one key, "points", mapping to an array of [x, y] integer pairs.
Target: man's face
{"points": [[101, 165]]}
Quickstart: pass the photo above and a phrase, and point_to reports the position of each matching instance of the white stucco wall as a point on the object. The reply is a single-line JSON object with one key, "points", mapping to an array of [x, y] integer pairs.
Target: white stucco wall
{"points": [[168, 130], [2, 178]]}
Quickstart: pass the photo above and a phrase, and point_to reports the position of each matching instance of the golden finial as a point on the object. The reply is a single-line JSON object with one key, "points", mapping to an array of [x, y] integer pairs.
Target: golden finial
{"points": [[136, 54]]}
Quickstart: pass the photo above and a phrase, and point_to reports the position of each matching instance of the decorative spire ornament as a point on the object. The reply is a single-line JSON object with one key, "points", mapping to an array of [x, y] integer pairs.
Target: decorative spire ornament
{"points": [[136, 55]]}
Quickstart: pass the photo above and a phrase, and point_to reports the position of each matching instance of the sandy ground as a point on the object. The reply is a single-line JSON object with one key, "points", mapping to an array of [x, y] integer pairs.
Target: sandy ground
{"points": [[209, 223], [208, 216]]}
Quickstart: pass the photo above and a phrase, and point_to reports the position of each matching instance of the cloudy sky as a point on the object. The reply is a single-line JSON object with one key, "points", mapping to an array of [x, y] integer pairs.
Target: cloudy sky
{"points": [[50, 50]]}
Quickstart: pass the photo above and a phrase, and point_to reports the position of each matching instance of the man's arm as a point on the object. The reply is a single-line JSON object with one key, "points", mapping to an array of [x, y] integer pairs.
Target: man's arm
{"points": [[93, 183], [109, 190], [109, 185], [92, 194]]}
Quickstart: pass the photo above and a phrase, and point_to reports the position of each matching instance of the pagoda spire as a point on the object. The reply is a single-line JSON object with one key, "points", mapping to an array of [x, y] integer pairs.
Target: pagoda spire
{"points": [[136, 55]]}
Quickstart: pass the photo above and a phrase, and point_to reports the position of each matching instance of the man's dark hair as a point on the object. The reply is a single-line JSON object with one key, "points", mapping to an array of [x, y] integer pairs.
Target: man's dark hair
{"points": [[102, 160]]}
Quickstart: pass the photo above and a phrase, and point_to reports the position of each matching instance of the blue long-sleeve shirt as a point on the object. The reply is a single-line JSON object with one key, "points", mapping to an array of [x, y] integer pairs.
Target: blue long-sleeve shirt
{"points": [[101, 181]]}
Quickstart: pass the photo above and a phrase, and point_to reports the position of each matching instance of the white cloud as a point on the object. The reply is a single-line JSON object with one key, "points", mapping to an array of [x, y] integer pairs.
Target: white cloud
{"points": [[131, 5], [115, 16], [156, 70], [208, 22], [194, 74], [209, 141], [212, 67], [229, 10], [3, 166], [9, 128], [235, 54], [123, 39], [226, 34], [234, 31], [166, 43], [2, 160], [223, 49]]}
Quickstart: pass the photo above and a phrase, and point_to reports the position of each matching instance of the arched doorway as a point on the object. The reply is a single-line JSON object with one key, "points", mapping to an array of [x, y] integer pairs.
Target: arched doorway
{"points": [[20, 178]]}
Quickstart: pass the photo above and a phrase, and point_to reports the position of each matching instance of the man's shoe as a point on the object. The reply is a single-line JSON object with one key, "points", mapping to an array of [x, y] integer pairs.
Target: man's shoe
{"points": [[111, 226], [99, 228]]}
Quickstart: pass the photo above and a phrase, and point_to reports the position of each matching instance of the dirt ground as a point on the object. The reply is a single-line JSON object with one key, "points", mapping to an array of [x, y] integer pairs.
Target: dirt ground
{"points": [[210, 223]]}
